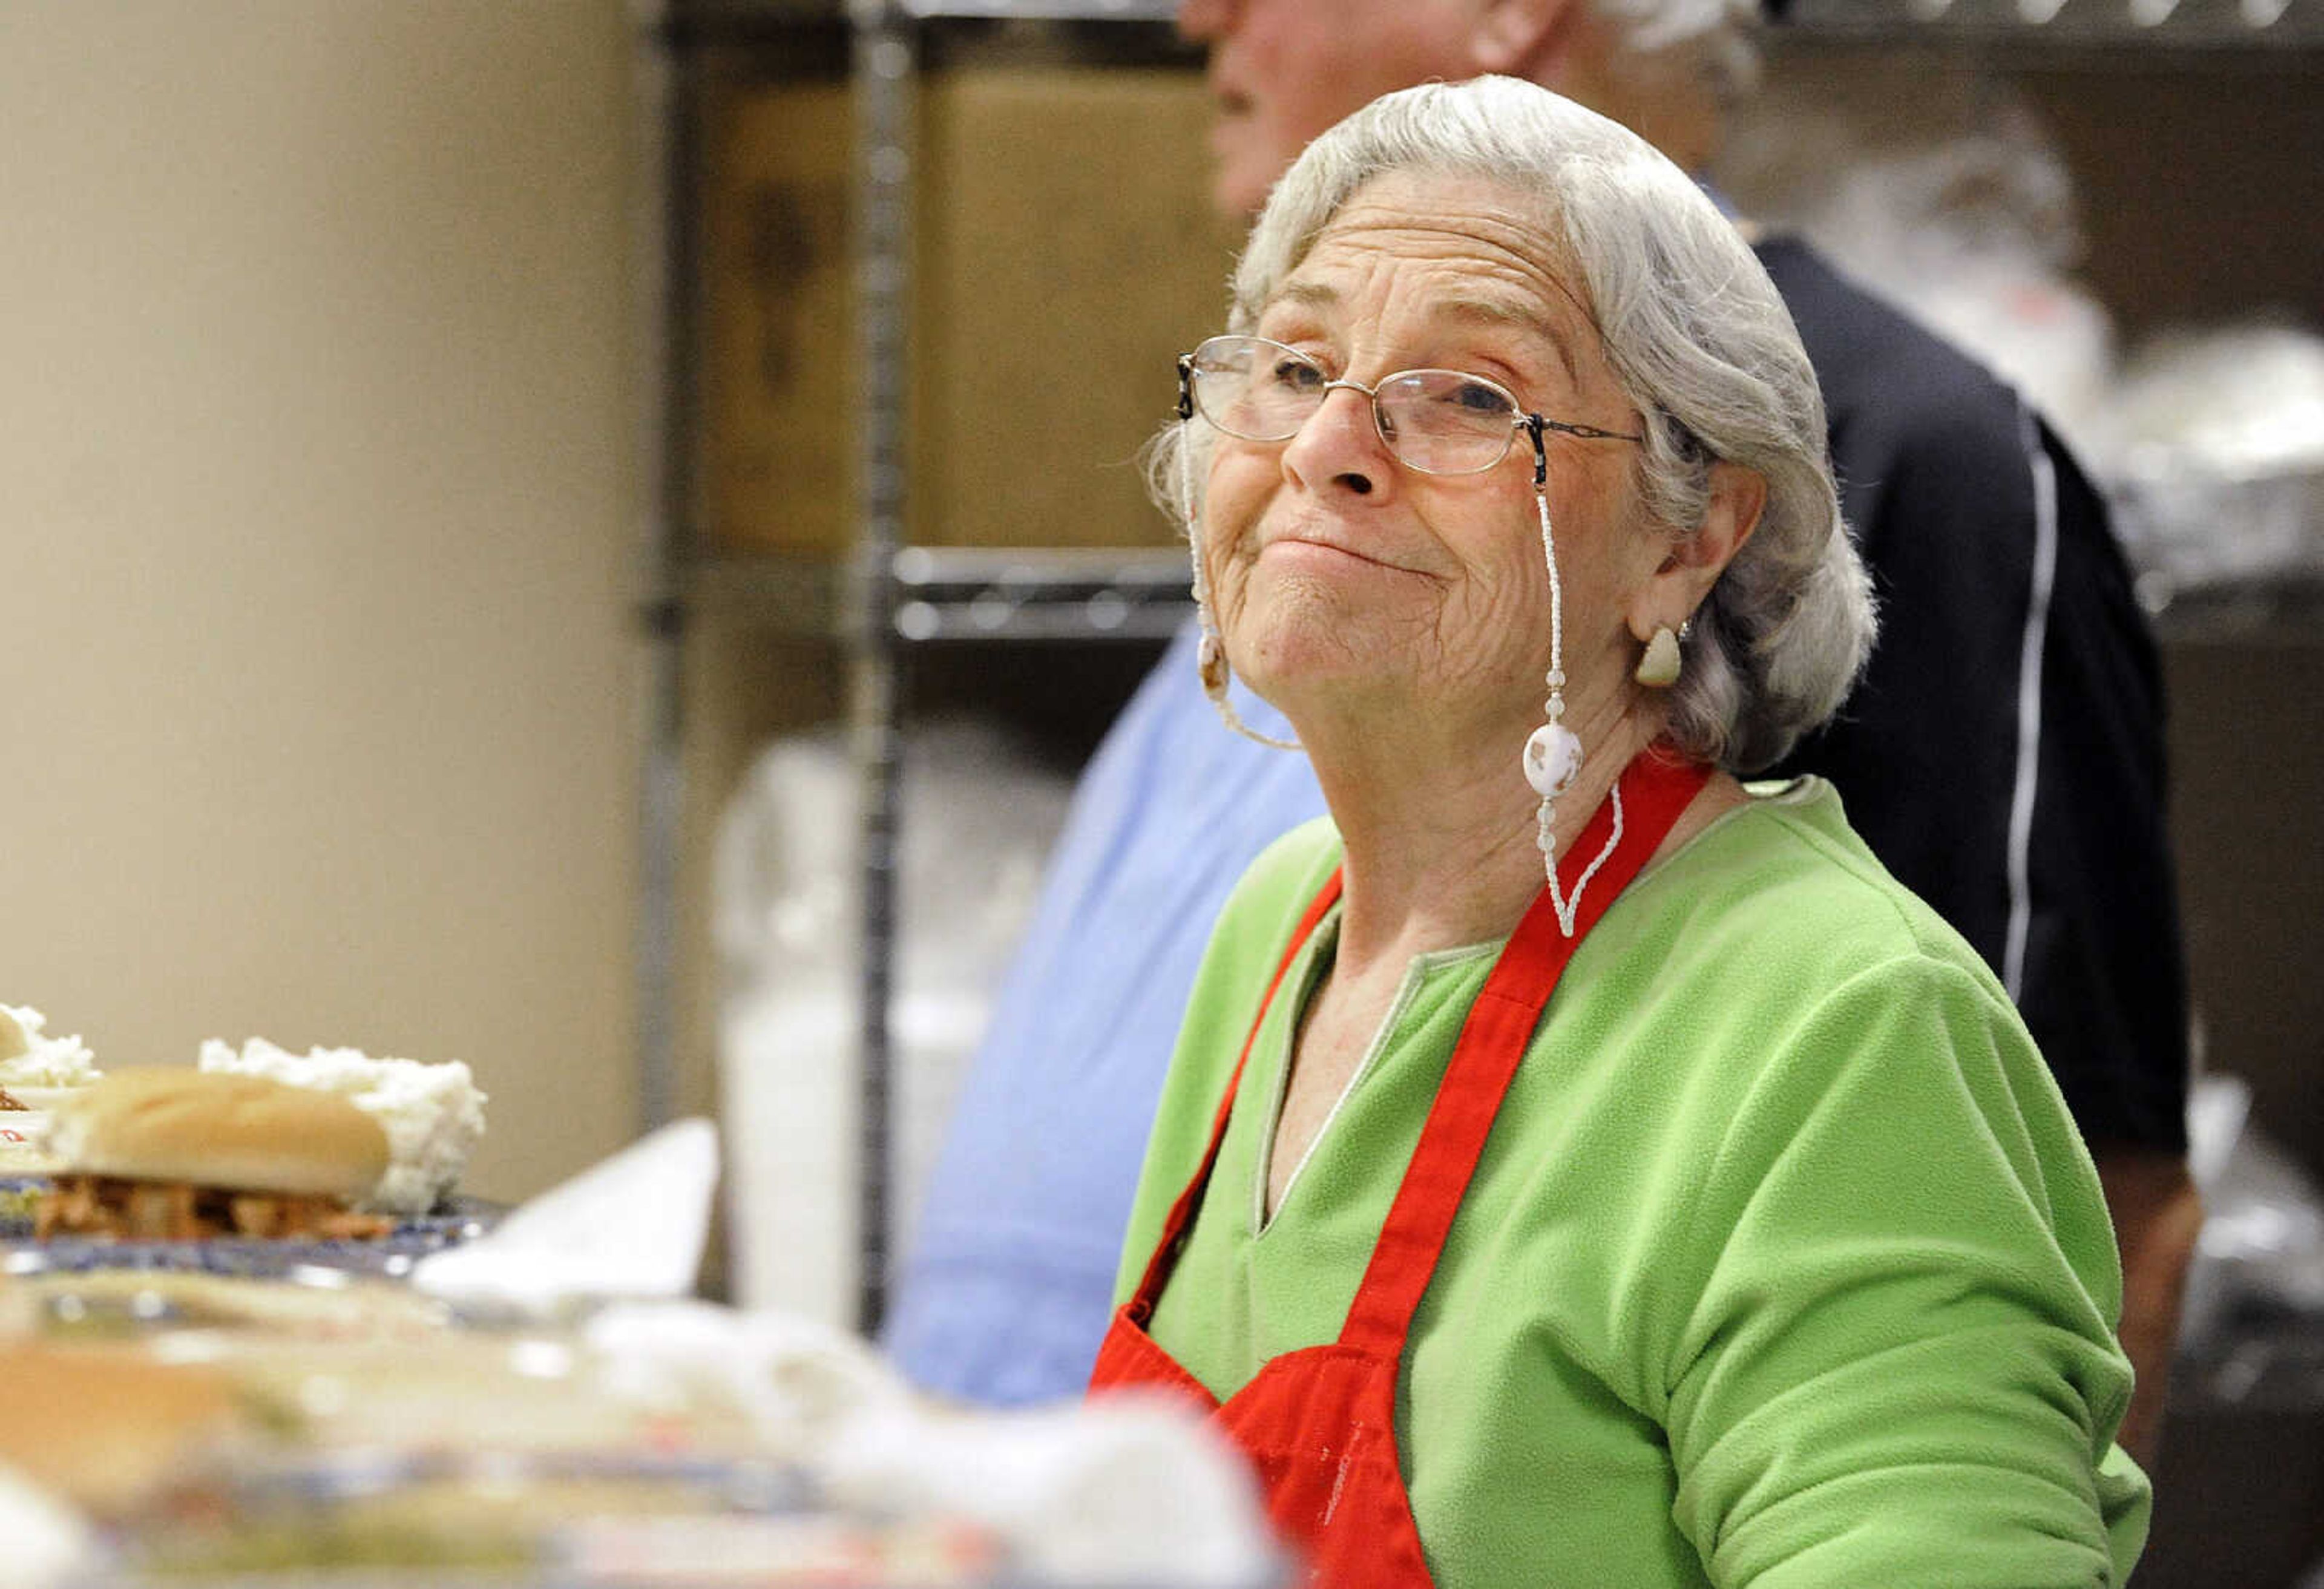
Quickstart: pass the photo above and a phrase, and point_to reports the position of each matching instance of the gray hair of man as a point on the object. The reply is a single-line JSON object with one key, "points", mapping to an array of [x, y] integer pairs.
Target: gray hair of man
{"points": [[1699, 339]]}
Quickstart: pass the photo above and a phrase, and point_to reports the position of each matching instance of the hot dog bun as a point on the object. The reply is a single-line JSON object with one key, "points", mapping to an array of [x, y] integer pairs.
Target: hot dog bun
{"points": [[246, 1133]]}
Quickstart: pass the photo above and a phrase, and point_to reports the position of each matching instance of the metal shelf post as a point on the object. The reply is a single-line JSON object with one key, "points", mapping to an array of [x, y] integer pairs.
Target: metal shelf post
{"points": [[666, 128], [885, 67]]}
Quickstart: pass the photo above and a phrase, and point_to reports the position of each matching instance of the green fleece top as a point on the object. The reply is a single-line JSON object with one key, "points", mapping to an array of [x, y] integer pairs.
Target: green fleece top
{"points": [[1783, 1264]]}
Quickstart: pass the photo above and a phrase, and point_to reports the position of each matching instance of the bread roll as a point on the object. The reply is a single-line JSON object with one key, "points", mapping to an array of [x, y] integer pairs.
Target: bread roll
{"points": [[246, 1133], [106, 1429]]}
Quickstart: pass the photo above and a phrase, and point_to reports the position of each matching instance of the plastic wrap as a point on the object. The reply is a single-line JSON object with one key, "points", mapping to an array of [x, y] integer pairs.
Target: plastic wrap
{"points": [[2252, 1327], [2216, 449], [1973, 234], [2210, 441], [354, 1435], [978, 815]]}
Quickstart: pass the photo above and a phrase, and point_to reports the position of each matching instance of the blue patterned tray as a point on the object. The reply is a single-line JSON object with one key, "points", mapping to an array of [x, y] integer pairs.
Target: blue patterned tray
{"points": [[393, 1254]]}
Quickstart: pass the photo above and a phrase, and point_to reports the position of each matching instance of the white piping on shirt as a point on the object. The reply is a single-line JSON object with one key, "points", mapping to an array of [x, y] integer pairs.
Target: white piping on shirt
{"points": [[2029, 701]]}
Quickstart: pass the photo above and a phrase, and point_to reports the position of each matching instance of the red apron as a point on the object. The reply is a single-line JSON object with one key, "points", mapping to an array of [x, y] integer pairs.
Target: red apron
{"points": [[1319, 1423]]}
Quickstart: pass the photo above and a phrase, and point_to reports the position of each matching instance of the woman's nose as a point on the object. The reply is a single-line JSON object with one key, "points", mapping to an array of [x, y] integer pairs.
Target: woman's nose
{"points": [[1340, 445]]}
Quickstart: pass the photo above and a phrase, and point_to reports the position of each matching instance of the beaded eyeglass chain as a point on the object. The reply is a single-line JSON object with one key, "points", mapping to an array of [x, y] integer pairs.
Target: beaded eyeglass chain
{"points": [[1553, 754]]}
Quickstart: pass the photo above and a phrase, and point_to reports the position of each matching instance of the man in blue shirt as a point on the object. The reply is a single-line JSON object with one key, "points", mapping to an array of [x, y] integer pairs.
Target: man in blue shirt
{"points": [[2003, 755]]}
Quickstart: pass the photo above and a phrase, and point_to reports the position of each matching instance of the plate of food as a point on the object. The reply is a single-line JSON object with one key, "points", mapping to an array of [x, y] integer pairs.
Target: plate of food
{"points": [[228, 1170], [37, 1072], [392, 1254]]}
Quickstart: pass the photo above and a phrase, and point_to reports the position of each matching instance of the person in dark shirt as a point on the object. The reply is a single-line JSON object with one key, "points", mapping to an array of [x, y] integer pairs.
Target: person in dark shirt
{"points": [[2003, 756]]}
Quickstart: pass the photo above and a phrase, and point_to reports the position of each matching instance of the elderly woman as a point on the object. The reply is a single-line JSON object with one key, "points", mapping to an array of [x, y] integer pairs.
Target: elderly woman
{"points": [[1578, 1167]]}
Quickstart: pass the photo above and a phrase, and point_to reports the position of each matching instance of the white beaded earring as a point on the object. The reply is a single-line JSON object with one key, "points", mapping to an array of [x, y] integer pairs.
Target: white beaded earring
{"points": [[1553, 754], [1210, 650]]}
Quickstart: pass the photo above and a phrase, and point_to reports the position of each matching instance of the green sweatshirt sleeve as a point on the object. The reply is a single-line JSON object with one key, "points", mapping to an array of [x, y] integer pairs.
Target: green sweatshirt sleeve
{"points": [[1890, 1358]]}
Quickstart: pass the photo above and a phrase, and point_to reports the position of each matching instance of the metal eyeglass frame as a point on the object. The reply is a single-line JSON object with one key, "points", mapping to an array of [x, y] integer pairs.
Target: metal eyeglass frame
{"points": [[1520, 418]]}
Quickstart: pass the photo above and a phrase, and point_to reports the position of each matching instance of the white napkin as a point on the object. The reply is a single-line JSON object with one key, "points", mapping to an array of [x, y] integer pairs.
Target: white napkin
{"points": [[633, 1225], [48, 1543], [1128, 1490], [801, 1382], [1125, 1490]]}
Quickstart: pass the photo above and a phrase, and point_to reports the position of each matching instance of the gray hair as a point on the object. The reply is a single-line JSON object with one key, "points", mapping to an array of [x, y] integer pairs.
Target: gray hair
{"points": [[1698, 338]]}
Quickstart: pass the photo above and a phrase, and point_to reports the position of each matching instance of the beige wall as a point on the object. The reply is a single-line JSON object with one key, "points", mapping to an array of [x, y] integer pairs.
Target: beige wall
{"points": [[319, 469]]}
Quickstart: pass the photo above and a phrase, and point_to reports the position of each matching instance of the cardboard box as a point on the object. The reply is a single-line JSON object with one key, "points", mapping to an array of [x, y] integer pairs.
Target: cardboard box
{"points": [[776, 465], [1064, 254]]}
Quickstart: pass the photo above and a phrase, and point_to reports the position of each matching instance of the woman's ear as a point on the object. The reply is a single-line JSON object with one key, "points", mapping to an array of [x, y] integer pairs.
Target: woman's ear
{"points": [[1693, 565], [1737, 497]]}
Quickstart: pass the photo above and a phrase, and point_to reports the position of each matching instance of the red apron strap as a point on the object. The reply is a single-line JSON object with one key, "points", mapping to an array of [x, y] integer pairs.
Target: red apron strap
{"points": [[1181, 1212], [1656, 789]]}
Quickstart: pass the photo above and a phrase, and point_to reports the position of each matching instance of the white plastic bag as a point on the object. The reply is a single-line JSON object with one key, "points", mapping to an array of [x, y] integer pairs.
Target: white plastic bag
{"points": [[978, 814]]}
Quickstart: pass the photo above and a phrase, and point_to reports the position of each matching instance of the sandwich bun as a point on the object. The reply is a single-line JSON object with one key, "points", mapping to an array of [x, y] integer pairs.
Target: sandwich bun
{"points": [[242, 1133], [105, 1429]]}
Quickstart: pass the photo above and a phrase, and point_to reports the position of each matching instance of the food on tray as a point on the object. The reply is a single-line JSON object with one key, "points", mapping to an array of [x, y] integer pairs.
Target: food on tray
{"points": [[18, 1196], [164, 1153], [33, 1063], [433, 1114], [96, 1305], [655, 1524], [533, 1456], [35, 1071], [106, 1429], [23, 1149]]}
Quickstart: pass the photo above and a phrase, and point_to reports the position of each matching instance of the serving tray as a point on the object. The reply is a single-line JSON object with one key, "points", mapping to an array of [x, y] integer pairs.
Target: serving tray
{"points": [[458, 1220]]}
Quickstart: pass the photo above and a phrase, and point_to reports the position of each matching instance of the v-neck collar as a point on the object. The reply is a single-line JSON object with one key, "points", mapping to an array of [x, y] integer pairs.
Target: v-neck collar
{"points": [[1322, 947]]}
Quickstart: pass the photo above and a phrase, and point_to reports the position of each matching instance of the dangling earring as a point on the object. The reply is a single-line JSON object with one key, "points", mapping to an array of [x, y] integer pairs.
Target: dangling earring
{"points": [[1210, 652], [1552, 752], [1658, 669]]}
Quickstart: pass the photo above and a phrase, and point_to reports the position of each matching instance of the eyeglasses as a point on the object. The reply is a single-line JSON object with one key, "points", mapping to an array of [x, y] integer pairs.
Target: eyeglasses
{"points": [[1436, 421]]}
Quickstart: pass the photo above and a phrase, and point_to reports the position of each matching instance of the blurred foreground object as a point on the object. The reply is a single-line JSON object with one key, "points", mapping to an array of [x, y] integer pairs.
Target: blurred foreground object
{"points": [[194, 1431], [101, 1430]]}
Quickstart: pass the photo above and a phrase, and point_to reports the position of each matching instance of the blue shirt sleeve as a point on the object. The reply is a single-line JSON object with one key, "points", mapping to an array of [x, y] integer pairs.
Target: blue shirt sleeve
{"points": [[1006, 1289]]}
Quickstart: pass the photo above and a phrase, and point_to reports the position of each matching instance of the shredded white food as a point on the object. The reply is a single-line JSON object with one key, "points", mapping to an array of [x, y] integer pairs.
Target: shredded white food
{"points": [[41, 1061], [433, 1114]]}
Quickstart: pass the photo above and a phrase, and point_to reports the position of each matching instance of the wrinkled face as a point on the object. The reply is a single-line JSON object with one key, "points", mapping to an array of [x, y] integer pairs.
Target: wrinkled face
{"points": [[1340, 576], [1281, 71]]}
